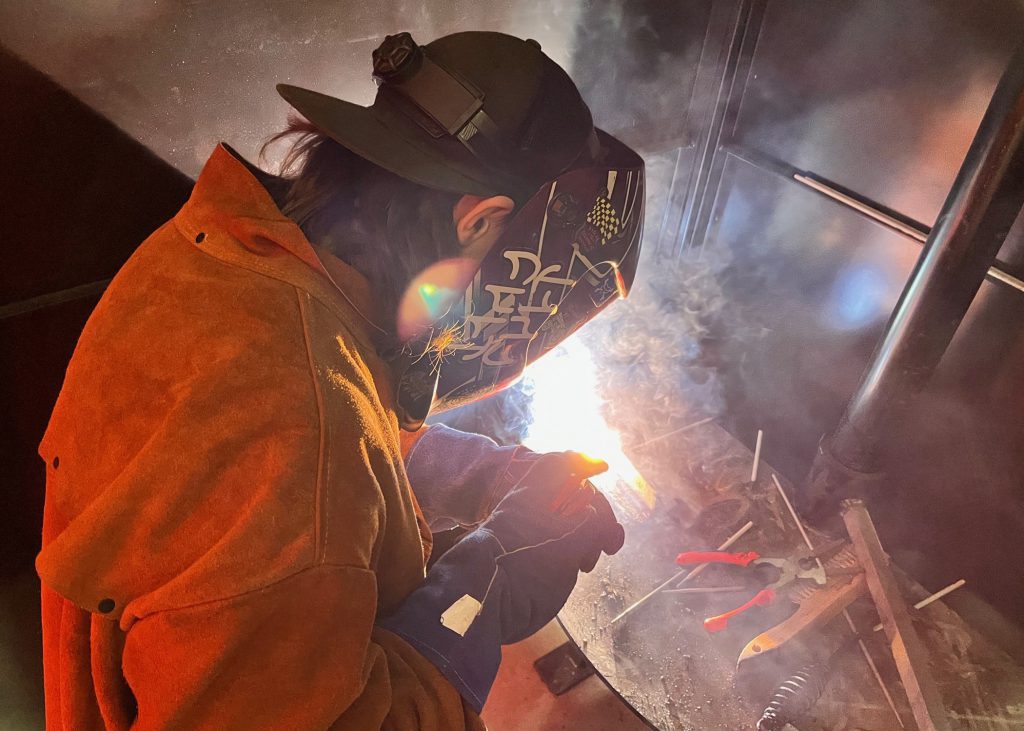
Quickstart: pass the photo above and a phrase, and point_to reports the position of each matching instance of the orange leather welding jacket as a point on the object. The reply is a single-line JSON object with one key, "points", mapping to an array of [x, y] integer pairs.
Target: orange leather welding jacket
{"points": [[226, 507]]}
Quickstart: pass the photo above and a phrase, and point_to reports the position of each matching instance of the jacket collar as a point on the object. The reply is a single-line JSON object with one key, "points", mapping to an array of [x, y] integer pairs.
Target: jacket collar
{"points": [[229, 196]]}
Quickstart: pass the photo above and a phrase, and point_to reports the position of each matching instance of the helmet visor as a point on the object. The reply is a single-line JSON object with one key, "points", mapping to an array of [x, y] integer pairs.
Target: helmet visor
{"points": [[571, 250]]}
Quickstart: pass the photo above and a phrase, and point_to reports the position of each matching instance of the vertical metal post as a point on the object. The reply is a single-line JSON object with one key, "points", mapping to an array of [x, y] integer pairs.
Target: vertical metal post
{"points": [[977, 215]]}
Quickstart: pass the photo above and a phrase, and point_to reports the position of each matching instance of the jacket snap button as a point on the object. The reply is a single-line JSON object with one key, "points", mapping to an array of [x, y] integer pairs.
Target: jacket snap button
{"points": [[56, 461], [199, 237], [106, 606]]}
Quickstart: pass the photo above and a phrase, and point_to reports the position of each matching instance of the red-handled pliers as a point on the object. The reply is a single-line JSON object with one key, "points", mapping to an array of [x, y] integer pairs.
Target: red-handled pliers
{"points": [[791, 569]]}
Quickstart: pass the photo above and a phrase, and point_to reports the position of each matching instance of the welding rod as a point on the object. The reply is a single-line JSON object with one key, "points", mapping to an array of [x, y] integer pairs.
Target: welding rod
{"points": [[757, 456], [846, 612], [676, 432], [642, 600], [929, 599], [707, 590]]}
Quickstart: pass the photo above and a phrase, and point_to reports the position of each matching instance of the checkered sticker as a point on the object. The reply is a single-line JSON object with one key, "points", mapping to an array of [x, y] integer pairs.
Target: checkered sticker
{"points": [[605, 219]]}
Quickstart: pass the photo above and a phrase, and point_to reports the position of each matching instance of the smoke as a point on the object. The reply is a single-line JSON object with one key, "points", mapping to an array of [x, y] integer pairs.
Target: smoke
{"points": [[661, 356], [657, 352], [504, 417], [653, 354], [636, 63]]}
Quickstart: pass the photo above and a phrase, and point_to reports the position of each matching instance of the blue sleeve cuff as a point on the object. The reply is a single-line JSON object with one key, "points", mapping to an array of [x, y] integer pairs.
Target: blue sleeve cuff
{"points": [[470, 662]]}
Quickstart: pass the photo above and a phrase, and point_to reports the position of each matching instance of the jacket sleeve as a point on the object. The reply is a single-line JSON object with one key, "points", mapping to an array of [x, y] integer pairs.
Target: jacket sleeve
{"points": [[458, 477], [300, 654]]}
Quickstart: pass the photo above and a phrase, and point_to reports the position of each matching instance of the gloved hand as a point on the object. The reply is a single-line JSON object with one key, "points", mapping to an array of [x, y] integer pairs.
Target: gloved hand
{"points": [[510, 576], [459, 477], [552, 497]]}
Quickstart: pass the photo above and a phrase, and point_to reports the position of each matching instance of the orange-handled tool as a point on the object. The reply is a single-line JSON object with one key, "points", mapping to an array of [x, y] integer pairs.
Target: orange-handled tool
{"points": [[761, 599], [790, 570], [688, 558]]}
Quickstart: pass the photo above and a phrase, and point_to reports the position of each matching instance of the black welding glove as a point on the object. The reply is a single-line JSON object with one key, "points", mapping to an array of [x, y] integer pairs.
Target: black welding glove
{"points": [[509, 577], [539, 507]]}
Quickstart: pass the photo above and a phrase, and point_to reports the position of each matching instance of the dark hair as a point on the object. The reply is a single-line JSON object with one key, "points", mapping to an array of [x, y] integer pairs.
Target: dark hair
{"points": [[388, 228]]}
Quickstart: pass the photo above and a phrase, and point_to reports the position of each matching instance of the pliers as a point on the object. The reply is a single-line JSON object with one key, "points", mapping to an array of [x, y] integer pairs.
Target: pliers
{"points": [[791, 569]]}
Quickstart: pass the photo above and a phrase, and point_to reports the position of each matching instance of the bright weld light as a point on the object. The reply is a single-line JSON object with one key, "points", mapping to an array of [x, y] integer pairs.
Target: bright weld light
{"points": [[566, 414]]}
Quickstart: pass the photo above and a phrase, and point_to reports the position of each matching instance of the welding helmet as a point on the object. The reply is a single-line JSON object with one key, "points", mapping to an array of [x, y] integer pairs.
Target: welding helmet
{"points": [[485, 114]]}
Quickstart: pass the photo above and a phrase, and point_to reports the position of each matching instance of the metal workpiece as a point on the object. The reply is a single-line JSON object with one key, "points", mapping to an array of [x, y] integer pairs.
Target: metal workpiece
{"points": [[816, 610], [978, 213], [908, 651]]}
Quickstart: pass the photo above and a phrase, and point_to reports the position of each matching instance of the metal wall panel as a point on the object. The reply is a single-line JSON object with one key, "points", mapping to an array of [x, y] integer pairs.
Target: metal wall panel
{"points": [[881, 97], [181, 76], [812, 284], [71, 210]]}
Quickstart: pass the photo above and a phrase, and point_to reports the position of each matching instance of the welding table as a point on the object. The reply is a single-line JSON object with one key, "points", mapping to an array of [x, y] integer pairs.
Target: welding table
{"points": [[663, 663]]}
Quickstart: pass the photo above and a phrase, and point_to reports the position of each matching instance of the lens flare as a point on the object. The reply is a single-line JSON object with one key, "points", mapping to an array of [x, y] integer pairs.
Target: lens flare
{"points": [[431, 296], [860, 296], [566, 412]]}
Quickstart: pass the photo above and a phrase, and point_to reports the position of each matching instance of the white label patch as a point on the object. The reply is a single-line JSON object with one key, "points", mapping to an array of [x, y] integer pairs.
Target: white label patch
{"points": [[460, 615]]}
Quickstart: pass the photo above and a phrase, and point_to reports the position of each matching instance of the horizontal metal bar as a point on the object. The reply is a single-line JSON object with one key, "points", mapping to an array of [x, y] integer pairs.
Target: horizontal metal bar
{"points": [[13, 309], [1000, 276], [886, 220], [857, 205]]}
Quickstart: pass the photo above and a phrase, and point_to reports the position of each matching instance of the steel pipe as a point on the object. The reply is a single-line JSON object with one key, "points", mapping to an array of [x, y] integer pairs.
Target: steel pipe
{"points": [[981, 207]]}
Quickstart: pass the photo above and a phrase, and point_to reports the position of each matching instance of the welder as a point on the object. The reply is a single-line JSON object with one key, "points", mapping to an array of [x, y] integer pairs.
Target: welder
{"points": [[240, 490]]}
